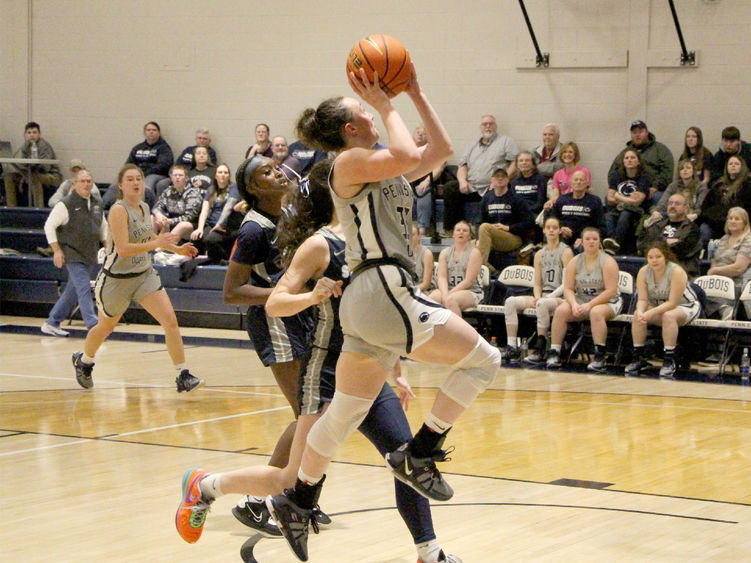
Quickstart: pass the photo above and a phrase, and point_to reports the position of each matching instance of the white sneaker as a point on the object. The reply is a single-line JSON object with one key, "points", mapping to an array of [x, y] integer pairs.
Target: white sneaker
{"points": [[54, 330]]}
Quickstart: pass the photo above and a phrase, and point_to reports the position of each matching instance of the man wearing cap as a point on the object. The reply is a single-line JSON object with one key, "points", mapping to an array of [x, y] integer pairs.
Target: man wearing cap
{"points": [[730, 145], [75, 227], [656, 159], [64, 188], [491, 151], [40, 175]]}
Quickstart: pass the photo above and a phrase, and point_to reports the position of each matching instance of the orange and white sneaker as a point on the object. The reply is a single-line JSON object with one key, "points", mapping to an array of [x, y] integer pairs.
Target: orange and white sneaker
{"points": [[193, 509]]}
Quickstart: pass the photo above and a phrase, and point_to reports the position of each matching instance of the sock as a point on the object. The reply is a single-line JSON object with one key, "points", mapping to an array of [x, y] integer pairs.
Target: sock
{"points": [[556, 348], [180, 367], [305, 494], [428, 551], [512, 341], [638, 351], [600, 350], [210, 486], [436, 424], [86, 360], [425, 441], [542, 342], [669, 353]]}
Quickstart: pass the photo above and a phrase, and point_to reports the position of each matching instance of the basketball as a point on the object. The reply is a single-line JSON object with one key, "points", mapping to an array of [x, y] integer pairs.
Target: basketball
{"points": [[386, 56]]}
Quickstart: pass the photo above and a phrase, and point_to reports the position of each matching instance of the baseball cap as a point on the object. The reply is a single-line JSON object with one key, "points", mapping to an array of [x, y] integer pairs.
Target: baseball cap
{"points": [[499, 169], [638, 123], [76, 163]]}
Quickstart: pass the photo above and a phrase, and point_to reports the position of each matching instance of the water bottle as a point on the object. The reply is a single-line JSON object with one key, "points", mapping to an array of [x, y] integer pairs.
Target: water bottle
{"points": [[745, 364], [34, 150]]}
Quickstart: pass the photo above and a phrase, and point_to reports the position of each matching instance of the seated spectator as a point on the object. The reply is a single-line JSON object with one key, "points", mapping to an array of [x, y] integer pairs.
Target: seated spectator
{"points": [[218, 223], [695, 151], [628, 190], [202, 170], [665, 299], [656, 160], [549, 264], [561, 185], [528, 183], [289, 165], [505, 219], [590, 291], [679, 232], [732, 258], [203, 139], [731, 190], [577, 210], [40, 175], [307, 156], [687, 184], [153, 156], [423, 262], [490, 152], [64, 188], [178, 207], [730, 145], [424, 195], [114, 193], [458, 271], [547, 155], [262, 146]]}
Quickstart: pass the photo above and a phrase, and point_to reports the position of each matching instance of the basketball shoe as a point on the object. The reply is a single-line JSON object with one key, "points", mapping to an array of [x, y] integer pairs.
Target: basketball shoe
{"points": [[293, 521], [252, 512], [420, 473], [193, 509], [443, 558], [83, 371], [187, 382]]}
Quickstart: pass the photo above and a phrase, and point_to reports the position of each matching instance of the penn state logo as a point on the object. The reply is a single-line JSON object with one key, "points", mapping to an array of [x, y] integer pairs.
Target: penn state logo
{"points": [[424, 316], [627, 188]]}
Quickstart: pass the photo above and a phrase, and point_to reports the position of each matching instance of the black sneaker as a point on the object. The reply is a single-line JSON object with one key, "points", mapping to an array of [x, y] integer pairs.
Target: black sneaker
{"points": [[83, 371], [320, 516], [667, 371], [420, 473], [510, 355], [636, 367], [187, 382], [611, 246], [293, 521], [253, 512]]}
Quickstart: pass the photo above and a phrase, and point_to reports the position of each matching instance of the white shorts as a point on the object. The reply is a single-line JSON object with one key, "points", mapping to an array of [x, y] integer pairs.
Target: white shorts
{"points": [[114, 293], [384, 316]]}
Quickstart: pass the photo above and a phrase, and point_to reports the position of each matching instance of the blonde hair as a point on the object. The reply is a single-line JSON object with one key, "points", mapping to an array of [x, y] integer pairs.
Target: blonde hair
{"points": [[743, 214]]}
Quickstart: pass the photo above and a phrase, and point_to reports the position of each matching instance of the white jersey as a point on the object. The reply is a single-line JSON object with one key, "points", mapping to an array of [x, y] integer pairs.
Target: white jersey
{"points": [[659, 292], [377, 221], [457, 270], [591, 283], [551, 264], [139, 231]]}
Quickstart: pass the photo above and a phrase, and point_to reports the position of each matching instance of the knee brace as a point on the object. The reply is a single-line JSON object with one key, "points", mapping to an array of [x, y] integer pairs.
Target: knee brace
{"points": [[472, 374], [544, 310], [344, 415], [511, 308]]}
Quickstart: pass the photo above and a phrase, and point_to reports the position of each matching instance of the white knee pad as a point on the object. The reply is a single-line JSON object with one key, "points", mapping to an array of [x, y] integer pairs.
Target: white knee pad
{"points": [[344, 415], [473, 374], [511, 308], [545, 309]]}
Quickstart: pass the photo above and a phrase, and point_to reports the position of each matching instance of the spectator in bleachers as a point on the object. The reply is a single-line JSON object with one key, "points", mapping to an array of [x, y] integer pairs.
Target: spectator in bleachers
{"points": [[528, 183], [731, 190], [547, 155], [570, 157], [178, 207], [688, 184], [307, 156], [504, 219], [153, 156], [731, 144], [64, 188], [656, 159], [490, 152], [590, 291], [549, 263], [262, 146], [202, 170], [695, 151], [421, 186], [74, 229], [423, 262], [732, 257], [113, 194], [458, 272], [218, 241], [291, 167], [577, 210], [39, 175], [628, 196], [203, 139], [665, 299], [680, 233]]}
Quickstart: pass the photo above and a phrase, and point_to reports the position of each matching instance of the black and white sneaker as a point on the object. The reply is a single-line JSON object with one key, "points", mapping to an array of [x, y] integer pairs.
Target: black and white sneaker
{"points": [[510, 355], [83, 371], [636, 368], [293, 522], [597, 365], [611, 246], [420, 473], [668, 369], [554, 360], [187, 382], [253, 512]]}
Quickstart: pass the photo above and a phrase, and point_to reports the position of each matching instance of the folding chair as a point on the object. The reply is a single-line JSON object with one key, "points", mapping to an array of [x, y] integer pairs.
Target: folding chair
{"points": [[717, 287]]}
